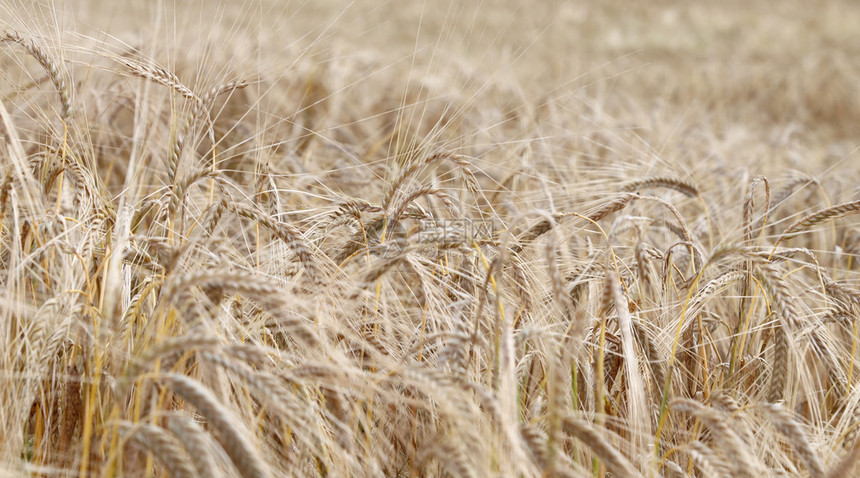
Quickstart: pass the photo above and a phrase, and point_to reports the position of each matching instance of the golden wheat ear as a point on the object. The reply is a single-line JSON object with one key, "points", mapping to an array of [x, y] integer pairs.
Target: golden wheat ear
{"points": [[50, 66], [241, 450], [164, 446]]}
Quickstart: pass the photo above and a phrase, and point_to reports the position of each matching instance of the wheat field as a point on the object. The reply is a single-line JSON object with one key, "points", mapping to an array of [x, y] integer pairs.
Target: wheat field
{"points": [[376, 238]]}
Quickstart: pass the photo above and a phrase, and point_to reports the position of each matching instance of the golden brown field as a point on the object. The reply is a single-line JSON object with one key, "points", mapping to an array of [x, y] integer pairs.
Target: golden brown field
{"points": [[444, 238]]}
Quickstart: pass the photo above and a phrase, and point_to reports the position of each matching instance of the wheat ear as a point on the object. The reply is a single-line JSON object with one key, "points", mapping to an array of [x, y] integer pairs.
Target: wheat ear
{"points": [[412, 168], [819, 217], [847, 464], [242, 452], [786, 308], [788, 426], [613, 205], [451, 458], [167, 449], [707, 461], [159, 75], [749, 205], [683, 187], [617, 463], [49, 65], [732, 447], [197, 442], [288, 233]]}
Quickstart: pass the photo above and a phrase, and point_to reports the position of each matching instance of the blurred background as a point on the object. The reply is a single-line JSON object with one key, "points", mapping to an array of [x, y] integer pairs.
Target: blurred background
{"points": [[791, 63], [773, 84]]}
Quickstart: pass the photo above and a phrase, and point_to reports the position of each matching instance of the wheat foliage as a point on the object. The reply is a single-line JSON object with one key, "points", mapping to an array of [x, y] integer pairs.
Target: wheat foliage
{"points": [[409, 239]]}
